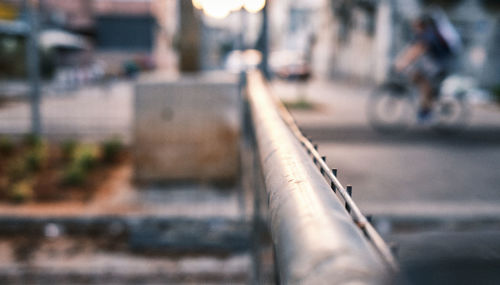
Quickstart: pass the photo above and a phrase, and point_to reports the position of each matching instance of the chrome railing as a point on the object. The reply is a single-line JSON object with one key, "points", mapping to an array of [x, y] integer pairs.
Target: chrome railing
{"points": [[318, 236]]}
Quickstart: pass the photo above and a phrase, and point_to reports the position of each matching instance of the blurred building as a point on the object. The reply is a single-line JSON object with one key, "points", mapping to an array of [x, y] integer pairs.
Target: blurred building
{"points": [[12, 49], [12, 42], [366, 35], [294, 23], [118, 31], [124, 31]]}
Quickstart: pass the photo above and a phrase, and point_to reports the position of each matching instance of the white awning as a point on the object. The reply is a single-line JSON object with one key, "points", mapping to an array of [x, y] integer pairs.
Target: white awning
{"points": [[61, 39]]}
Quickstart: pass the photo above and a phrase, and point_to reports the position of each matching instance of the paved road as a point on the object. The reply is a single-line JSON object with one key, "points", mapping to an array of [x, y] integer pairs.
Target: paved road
{"points": [[418, 172]]}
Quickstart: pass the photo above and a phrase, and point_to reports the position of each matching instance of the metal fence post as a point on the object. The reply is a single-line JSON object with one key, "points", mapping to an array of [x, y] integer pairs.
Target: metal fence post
{"points": [[33, 64]]}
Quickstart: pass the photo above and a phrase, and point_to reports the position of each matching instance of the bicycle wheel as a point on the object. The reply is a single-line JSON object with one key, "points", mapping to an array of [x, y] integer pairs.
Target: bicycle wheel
{"points": [[452, 115], [390, 109]]}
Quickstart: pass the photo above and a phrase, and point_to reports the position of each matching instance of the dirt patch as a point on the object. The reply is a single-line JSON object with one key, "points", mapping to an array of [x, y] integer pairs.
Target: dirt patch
{"points": [[33, 170]]}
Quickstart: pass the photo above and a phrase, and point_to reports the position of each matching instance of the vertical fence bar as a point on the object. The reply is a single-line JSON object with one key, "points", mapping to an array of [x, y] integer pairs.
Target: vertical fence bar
{"points": [[33, 67]]}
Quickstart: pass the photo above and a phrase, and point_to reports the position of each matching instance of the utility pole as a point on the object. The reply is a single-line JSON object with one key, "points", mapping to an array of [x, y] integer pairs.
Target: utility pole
{"points": [[263, 42], [33, 64], [190, 34]]}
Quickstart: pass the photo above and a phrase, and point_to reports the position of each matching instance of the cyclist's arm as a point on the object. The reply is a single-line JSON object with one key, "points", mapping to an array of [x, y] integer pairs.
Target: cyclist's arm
{"points": [[410, 55]]}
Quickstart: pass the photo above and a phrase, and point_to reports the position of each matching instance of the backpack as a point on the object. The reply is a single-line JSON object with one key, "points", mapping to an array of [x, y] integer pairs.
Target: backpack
{"points": [[447, 32]]}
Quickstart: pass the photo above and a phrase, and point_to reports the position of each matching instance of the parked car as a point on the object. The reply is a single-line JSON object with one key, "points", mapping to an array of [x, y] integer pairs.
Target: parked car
{"points": [[290, 65]]}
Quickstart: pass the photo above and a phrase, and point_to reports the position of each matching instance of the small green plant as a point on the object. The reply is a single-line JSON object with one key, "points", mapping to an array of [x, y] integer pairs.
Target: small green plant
{"points": [[112, 150], [34, 160], [33, 141], [85, 157], [495, 91], [300, 104], [16, 170], [21, 191], [6, 146], [68, 149], [74, 176], [87, 161]]}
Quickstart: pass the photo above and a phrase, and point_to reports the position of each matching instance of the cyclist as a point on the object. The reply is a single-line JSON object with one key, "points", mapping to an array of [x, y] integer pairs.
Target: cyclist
{"points": [[429, 59]]}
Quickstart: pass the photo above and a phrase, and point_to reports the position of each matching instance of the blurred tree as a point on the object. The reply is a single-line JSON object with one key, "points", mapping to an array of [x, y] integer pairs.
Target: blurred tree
{"points": [[442, 3], [491, 5]]}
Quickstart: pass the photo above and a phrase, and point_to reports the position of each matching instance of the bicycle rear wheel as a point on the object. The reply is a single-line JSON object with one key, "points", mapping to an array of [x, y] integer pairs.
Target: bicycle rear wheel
{"points": [[452, 115], [390, 109]]}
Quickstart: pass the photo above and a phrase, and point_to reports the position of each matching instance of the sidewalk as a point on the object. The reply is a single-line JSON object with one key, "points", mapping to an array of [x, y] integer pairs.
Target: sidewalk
{"points": [[92, 112], [342, 104]]}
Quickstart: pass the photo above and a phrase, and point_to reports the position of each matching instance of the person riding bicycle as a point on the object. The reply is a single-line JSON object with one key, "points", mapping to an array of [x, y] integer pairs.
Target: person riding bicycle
{"points": [[429, 56]]}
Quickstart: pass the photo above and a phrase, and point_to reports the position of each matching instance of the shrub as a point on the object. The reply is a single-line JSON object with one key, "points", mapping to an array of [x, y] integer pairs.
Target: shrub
{"points": [[36, 154], [74, 176], [21, 191], [111, 150], [33, 141], [68, 149], [6, 146], [87, 160], [495, 91], [16, 170], [35, 159], [85, 157]]}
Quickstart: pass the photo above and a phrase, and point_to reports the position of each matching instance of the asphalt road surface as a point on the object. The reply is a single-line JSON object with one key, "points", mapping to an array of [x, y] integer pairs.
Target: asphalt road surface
{"points": [[416, 172]]}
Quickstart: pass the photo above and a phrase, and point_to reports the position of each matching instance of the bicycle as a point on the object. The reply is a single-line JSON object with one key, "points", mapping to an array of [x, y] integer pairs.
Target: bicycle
{"points": [[393, 105]]}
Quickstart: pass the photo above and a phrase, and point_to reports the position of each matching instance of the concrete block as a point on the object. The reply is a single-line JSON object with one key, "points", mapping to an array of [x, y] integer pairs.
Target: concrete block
{"points": [[187, 128]]}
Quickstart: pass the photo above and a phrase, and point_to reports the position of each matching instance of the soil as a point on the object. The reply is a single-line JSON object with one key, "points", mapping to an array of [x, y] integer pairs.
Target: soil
{"points": [[46, 183]]}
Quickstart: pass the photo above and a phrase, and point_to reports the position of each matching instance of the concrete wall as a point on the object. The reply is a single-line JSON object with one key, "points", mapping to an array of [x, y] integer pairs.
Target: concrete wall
{"points": [[353, 50], [187, 128]]}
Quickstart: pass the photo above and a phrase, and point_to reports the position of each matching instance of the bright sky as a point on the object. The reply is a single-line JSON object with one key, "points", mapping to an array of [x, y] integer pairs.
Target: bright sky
{"points": [[221, 8]]}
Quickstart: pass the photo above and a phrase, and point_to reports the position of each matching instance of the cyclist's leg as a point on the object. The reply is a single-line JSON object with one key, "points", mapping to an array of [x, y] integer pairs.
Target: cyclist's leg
{"points": [[427, 95], [427, 78]]}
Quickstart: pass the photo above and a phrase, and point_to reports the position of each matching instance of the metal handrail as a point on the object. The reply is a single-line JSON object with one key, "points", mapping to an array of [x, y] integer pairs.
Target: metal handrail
{"points": [[359, 219]]}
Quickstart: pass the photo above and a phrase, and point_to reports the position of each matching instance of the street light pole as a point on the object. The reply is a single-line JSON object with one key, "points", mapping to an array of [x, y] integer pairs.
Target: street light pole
{"points": [[263, 42], [33, 64]]}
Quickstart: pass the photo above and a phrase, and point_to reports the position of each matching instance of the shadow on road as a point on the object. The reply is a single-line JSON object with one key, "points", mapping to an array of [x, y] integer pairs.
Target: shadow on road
{"points": [[471, 137]]}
